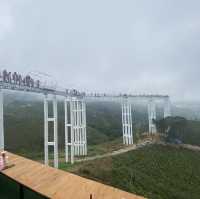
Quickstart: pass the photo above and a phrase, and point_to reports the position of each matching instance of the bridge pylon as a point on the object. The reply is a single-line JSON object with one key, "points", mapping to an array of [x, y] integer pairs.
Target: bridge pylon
{"points": [[127, 127], [53, 119], [75, 128]]}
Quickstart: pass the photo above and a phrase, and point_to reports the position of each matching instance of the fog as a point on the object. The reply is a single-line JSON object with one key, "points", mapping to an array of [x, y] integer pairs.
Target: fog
{"points": [[131, 46]]}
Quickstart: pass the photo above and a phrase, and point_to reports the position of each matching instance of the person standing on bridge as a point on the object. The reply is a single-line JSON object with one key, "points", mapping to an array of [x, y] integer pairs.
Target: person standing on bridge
{"points": [[19, 79], [37, 84], [9, 77], [14, 77], [5, 76]]}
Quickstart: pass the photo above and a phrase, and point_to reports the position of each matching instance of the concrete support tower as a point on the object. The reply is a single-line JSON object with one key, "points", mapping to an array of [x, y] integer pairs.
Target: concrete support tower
{"points": [[127, 122], [167, 108], [53, 119], [75, 128], [1, 122], [152, 116]]}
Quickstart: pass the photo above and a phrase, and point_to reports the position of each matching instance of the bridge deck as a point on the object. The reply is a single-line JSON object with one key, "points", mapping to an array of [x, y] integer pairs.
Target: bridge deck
{"points": [[57, 184]]}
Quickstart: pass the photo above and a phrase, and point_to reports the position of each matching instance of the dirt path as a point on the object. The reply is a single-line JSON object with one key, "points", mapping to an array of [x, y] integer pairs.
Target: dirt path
{"points": [[120, 151]]}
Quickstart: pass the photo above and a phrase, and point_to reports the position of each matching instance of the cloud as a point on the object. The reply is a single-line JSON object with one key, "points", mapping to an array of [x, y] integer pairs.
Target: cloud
{"points": [[131, 46], [6, 22]]}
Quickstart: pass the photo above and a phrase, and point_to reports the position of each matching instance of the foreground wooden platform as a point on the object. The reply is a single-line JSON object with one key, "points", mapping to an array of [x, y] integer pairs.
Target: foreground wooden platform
{"points": [[57, 184]]}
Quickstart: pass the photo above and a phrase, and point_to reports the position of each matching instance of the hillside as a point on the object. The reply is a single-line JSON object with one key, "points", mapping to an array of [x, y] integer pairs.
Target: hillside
{"points": [[23, 118], [157, 172], [178, 128]]}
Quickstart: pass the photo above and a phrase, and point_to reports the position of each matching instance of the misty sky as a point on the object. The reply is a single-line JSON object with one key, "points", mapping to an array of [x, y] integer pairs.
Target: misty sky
{"points": [[138, 46]]}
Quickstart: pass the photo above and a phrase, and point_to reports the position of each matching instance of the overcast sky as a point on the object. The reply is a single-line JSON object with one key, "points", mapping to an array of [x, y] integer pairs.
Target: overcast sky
{"points": [[138, 46]]}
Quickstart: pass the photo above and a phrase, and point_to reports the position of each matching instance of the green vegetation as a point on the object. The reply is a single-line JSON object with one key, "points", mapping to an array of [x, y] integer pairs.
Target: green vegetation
{"points": [[24, 126], [157, 172], [179, 128]]}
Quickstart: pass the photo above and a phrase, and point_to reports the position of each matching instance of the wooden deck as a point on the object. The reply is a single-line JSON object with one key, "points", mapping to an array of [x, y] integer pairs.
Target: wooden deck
{"points": [[57, 184]]}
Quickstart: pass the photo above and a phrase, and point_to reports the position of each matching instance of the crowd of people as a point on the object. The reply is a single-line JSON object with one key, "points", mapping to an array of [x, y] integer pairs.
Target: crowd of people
{"points": [[18, 79], [15, 78]]}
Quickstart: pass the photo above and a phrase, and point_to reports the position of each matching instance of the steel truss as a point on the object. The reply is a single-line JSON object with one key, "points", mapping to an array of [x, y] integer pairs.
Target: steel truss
{"points": [[50, 119], [75, 128], [127, 122]]}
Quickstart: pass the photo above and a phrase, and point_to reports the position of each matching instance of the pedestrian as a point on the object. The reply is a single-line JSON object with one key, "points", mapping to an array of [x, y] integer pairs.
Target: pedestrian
{"points": [[4, 75]]}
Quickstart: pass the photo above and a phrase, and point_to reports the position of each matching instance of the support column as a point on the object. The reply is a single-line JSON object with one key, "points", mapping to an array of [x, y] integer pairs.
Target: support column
{"points": [[84, 129], [67, 125], [77, 124], [1, 122], [75, 102], [46, 130], [48, 119], [55, 116], [72, 130], [127, 122], [78, 128], [152, 116], [167, 108], [69, 130]]}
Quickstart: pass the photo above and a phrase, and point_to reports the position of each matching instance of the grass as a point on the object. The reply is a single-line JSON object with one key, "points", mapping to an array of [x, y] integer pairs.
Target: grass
{"points": [[157, 172]]}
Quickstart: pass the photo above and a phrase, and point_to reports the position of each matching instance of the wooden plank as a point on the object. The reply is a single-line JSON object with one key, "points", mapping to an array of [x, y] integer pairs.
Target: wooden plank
{"points": [[57, 184]]}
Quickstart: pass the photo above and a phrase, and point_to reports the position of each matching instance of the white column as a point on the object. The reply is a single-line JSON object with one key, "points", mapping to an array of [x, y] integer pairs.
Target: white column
{"points": [[53, 143], [1, 122], [67, 125], [167, 108], [72, 129], [127, 122], [84, 128], [78, 126], [46, 150], [123, 130], [152, 116], [55, 115], [131, 125], [81, 129]]}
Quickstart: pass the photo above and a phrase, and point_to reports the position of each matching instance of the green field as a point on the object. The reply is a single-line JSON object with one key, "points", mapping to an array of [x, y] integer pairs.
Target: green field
{"points": [[157, 172]]}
